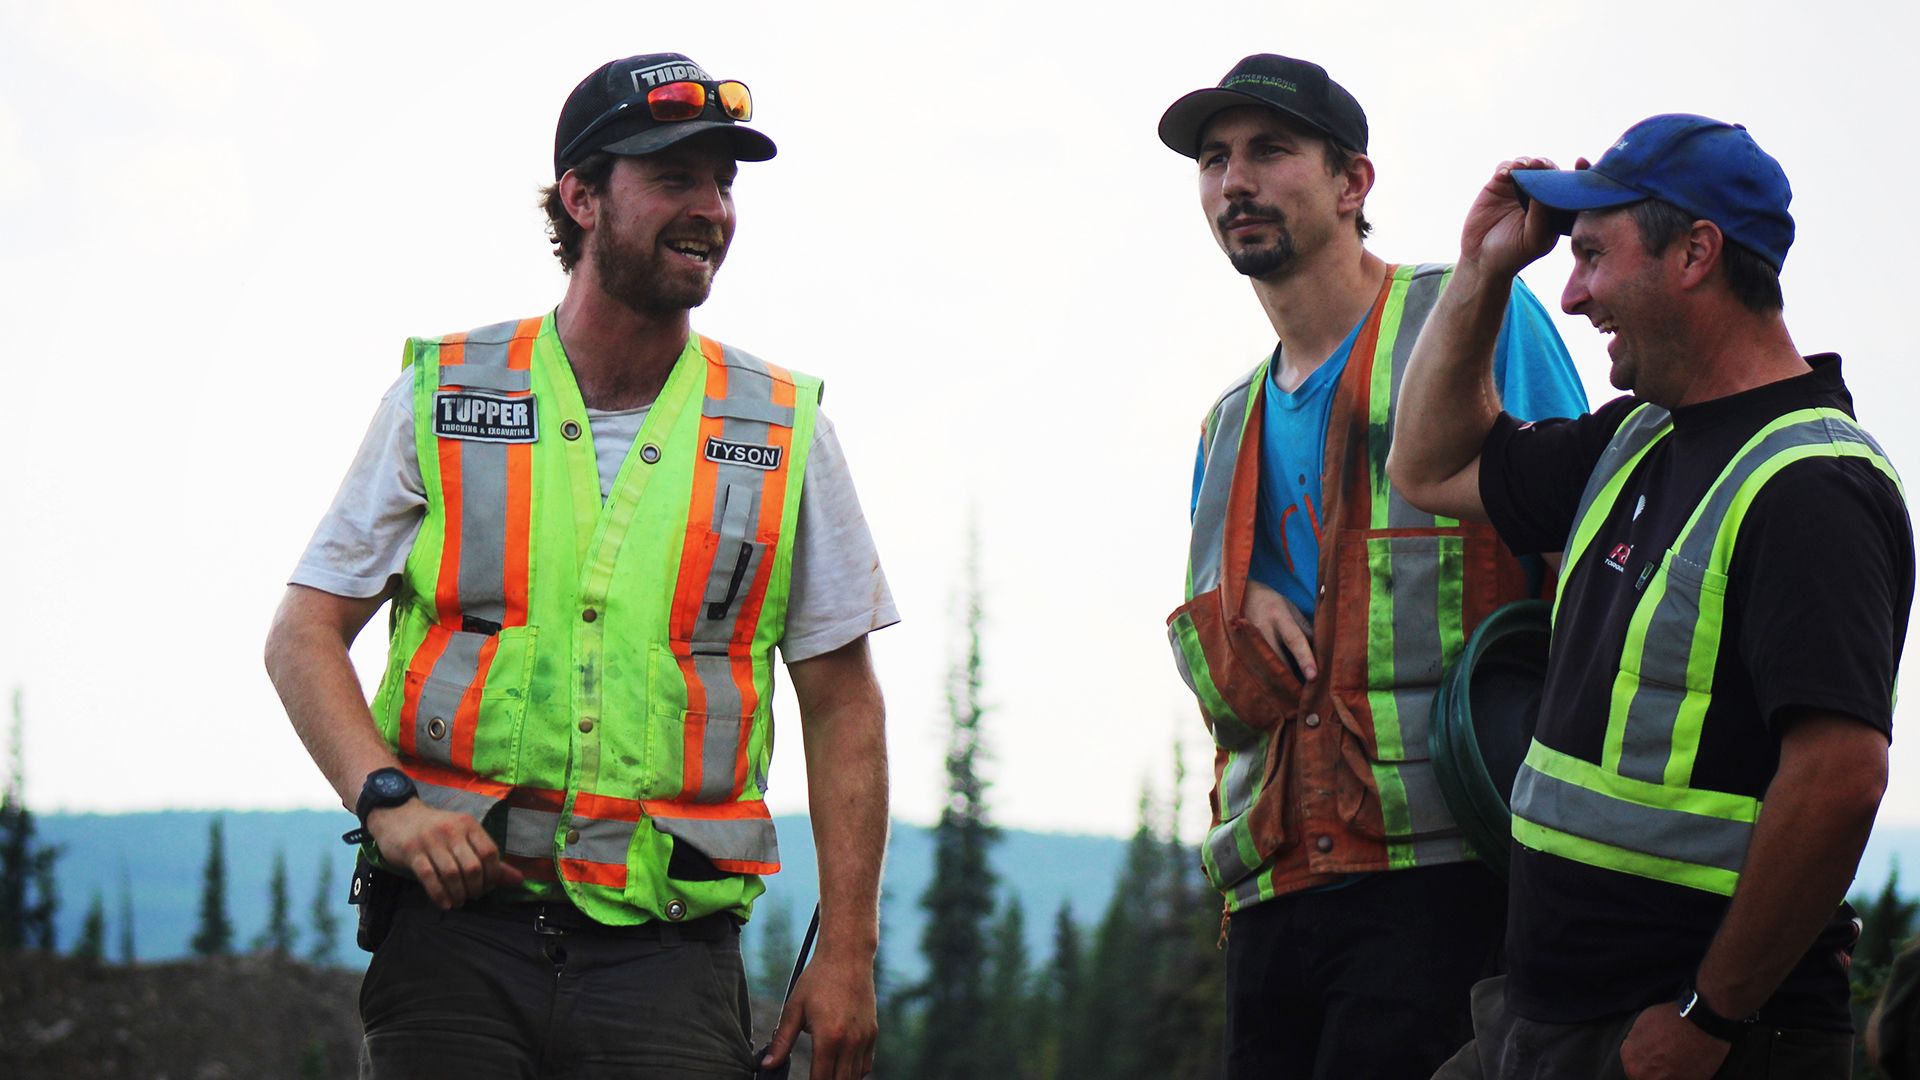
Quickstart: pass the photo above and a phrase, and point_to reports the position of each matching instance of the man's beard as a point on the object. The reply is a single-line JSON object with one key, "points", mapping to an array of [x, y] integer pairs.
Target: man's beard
{"points": [[1270, 261], [640, 279]]}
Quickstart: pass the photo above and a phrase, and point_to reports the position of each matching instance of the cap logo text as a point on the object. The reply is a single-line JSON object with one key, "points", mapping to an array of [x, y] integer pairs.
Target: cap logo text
{"points": [[484, 418], [672, 71], [752, 455]]}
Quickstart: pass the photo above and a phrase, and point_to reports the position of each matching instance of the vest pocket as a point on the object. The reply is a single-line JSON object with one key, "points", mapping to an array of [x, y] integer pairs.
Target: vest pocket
{"points": [[1687, 599], [466, 695]]}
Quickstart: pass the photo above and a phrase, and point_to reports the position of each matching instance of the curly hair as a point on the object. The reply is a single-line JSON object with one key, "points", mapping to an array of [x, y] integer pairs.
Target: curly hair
{"points": [[562, 231]]}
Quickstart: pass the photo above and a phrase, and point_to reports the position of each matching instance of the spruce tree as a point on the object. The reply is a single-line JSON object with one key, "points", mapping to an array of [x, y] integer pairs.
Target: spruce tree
{"points": [[326, 922], [1009, 1050], [126, 913], [28, 899], [92, 946], [214, 937], [1064, 1007], [277, 936], [959, 898]]}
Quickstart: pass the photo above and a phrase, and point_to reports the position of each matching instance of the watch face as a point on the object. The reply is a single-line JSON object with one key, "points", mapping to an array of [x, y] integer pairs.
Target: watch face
{"points": [[388, 785]]}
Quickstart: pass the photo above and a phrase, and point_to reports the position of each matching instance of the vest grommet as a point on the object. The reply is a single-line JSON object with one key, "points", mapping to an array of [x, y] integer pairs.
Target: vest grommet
{"points": [[436, 728], [1324, 843], [1313, 719], [676, 910], [573, 836], [650, 454], [570, 430], [589, 615], [586, 724]]}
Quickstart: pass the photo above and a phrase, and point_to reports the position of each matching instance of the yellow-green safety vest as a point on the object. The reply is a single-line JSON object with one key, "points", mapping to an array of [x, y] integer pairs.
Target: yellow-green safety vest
{"points": [[592, 680]]}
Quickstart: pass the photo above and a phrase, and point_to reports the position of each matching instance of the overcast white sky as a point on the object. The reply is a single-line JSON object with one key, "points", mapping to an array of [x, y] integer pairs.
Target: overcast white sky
{"points": [[218, 221]]}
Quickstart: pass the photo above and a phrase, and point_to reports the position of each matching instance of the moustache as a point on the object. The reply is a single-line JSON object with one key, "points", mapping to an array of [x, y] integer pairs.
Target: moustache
{"points": [[1245, 209]]}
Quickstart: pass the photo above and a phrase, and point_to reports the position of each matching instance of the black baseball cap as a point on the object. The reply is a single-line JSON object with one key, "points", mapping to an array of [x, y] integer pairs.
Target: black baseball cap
{"points": [[608, 112], [1298, 88]]}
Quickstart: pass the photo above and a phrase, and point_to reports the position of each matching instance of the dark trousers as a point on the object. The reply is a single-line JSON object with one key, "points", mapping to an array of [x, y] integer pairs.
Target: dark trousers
{"points": [[1509, 1047], [1368, 980], [463, 995]]}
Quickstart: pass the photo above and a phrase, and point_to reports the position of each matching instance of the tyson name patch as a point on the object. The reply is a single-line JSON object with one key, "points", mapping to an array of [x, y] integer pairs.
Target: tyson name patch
{"points": [[752, 455], [461, 414]]}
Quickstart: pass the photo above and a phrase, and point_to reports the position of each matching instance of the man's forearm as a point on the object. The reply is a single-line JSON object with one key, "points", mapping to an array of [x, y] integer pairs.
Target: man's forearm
{"points": [[1813, 826], [307, 660], [843, 725], [1447, 398]]}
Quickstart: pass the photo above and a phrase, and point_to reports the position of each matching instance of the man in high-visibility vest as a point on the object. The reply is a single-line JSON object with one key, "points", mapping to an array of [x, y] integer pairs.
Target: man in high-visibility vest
{"points": [[1321, 608], [1712, 736], [595, 526]]}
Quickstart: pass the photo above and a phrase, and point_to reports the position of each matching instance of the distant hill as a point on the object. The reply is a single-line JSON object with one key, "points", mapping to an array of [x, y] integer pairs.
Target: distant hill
{"points": [[163, 854]]}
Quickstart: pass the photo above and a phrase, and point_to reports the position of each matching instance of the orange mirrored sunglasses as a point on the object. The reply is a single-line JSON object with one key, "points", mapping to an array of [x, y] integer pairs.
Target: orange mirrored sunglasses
{"points": [[686, 100]]}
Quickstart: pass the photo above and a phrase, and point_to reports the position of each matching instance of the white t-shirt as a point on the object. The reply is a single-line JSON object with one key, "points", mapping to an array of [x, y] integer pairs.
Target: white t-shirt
{"points": [[838, 591]]}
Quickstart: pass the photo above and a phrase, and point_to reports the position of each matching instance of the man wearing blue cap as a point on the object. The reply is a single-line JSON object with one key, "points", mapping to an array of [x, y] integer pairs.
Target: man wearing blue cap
{"points": [[1321, 608], [596, 526], [1712, 737]]}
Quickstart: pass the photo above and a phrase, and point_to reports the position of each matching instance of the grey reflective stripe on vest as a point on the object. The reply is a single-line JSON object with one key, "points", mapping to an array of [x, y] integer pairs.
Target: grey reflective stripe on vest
{"points": [[1423, 291], [1654, 711], [484, 377], [483, 494], [530, 832], [728, 840], [600, 840], [747, 415], [457, 669], [1670, 834], [474, 804], [1205, 548]]}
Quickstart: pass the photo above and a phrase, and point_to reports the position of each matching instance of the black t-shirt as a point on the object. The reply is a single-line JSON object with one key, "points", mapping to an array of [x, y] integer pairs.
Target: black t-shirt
{"points": [[1816, 614]]}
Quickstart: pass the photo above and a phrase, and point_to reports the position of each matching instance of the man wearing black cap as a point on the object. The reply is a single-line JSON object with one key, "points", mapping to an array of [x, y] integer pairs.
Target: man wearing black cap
{"points": [[1320, 607], [1712, 737], [595, 526]]}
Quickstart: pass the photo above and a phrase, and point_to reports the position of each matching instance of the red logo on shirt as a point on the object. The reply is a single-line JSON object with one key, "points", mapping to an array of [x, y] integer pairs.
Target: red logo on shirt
{"points": [[1617, 558]]}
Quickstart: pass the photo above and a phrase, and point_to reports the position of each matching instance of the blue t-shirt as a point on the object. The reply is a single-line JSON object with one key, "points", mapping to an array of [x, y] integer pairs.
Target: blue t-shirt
{"points": [[1530, 366]]}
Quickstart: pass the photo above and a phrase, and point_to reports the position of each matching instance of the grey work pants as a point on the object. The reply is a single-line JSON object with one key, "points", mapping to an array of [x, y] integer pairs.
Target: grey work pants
{"points": [[1509, 1047], [469, 996]]}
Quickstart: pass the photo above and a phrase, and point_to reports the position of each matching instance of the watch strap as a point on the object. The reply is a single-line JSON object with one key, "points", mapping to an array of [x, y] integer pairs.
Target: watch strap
{"points": [[1695, 1010]]}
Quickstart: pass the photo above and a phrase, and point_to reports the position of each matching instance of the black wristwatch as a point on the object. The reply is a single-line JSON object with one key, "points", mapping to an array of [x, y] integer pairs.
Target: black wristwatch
{"points": [[1694, 1009], [383, 788]]}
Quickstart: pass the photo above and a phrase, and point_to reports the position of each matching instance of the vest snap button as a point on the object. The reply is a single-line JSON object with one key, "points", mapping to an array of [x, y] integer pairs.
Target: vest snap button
{"points": [[573, 836], [586, 724], [650, 453], [589, 615], [1313, 719], [436, 728], [676, 910], [1324, 843], [570, 429]]}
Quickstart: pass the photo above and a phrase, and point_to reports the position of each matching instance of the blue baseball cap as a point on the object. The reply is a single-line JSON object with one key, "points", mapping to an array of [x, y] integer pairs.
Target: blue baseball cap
{"points": [[1708, 168]]}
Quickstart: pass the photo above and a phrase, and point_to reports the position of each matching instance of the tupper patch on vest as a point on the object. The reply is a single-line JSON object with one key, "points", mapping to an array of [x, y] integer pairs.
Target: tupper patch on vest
{"points": [[752, 455], [462, 414]]}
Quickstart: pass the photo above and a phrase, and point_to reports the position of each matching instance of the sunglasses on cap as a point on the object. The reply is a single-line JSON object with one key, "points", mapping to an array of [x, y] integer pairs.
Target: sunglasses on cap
{"points": [[671, 102]]}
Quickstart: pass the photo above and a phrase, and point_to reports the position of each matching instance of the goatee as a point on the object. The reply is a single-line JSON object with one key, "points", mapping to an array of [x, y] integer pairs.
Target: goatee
{"points": [[1270, 261]]}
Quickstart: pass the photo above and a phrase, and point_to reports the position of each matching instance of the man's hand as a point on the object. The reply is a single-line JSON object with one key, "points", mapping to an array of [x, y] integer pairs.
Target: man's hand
{"points": [[833, 1000], [1500, 237], [1286, 631], [451, 856], [1662, 1045]]}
